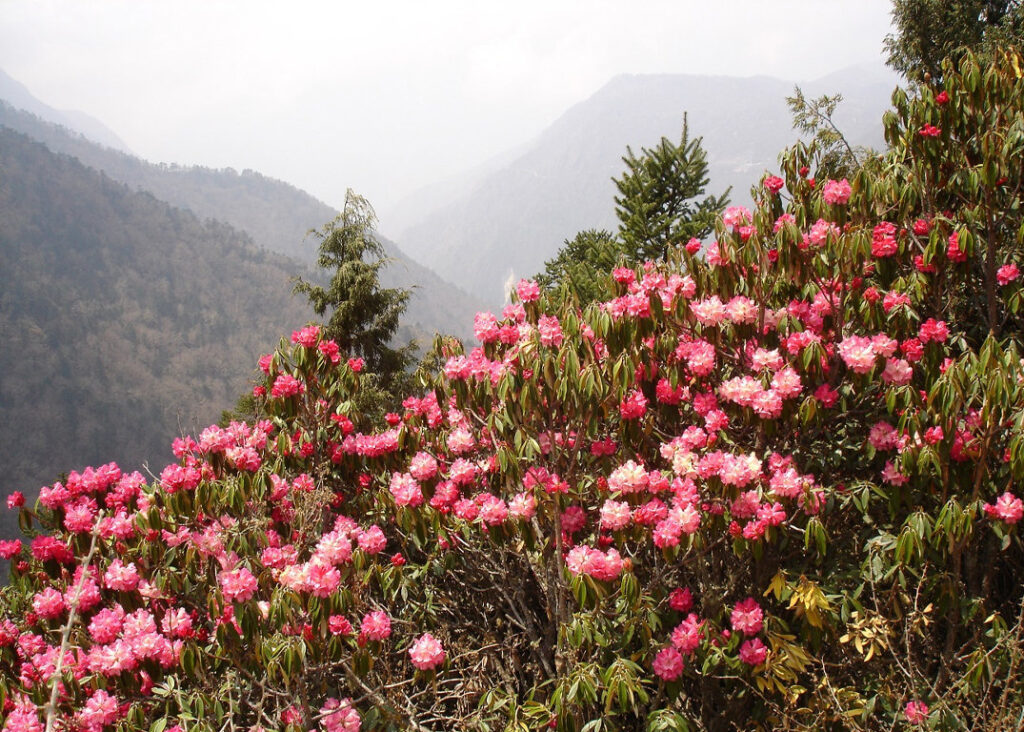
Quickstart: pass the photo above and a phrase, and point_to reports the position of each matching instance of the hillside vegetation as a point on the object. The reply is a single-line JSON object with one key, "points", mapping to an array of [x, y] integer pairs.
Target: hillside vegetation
{"points": [[772, 486], [275, 215], [123, 320]]}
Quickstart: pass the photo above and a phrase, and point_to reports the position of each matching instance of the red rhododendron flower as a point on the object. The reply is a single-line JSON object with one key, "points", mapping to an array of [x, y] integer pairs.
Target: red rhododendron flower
{"points": [[774, 184]]}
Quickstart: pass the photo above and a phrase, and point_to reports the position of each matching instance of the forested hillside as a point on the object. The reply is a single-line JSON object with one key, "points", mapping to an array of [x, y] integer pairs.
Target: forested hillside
{"points": [[276, 215], [123, 320]]}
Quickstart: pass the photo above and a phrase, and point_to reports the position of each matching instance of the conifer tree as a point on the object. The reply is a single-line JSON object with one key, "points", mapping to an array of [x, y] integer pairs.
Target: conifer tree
{"points": [[363, 316], [657, 203], [582, 265]]}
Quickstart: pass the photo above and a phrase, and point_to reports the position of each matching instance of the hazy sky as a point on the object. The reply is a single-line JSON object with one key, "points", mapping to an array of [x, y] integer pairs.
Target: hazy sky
{"points": [[388, 96]]}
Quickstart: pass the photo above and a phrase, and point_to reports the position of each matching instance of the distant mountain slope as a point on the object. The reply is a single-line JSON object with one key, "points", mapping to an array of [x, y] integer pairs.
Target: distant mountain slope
{"points": [[275, 214], [518, 216], [123, 320], [18, 95]]}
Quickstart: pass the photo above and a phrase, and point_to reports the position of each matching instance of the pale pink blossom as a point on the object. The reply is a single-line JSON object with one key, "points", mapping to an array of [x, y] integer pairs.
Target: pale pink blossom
{"points": [[836, 192], [426, 653], [615, 515], [1006, 508], [376, 625], [238, 585]]}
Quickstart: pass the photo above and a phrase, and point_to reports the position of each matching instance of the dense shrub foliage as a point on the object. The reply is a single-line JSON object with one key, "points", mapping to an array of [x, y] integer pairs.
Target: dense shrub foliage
{"points": [[773, 486]]}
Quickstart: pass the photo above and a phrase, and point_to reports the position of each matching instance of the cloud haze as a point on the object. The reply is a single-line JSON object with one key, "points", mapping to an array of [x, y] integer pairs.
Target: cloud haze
{"points": [[388, 96]]}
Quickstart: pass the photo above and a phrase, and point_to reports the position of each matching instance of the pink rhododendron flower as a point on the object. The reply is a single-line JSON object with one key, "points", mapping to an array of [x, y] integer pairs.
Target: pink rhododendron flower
{"points": [[426, 653], [307, 337], [48, 604], [121, 577], [493, 510], [681, 599], [466, 509], [753, 652], [600, 565], [953, 251], [630, 477], [176, 623], [330, 350], [338, 716], [405, 490], [528, 290], [1007, 508], [372, 541], [550, 331], [339, 625], [486, 328], [916, 712], [99, 711], [286, 385], [819, 233], [774, 184], [1007, 273], [10, 548], [858, 353], [892, 475], [668, 664], [523, 506], [710, 311], [736, 216], [765, 359], [836, 192], [634, 405], [422, 466], [933, 330], [687, 635], [238, 585], [897, 371], [615, 515], [747, 617], [459, 441], [376, 625], [741, 309]]}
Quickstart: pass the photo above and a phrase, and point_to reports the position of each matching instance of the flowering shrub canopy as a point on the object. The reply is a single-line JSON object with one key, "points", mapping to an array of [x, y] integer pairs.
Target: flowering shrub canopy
{"points": [[774, 487]]}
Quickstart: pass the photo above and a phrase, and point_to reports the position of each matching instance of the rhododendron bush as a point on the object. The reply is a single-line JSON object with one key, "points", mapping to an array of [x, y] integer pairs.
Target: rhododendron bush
{"points": [[776, 485]]}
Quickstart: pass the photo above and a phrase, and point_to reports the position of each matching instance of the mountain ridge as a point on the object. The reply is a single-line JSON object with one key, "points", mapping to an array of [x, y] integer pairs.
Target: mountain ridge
{"points": [[123, 318], [276, 214], [521, 214]]}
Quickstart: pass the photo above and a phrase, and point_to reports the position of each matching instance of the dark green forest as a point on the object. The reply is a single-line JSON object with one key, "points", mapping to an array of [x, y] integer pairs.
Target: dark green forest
{"points": [[124, 320]]}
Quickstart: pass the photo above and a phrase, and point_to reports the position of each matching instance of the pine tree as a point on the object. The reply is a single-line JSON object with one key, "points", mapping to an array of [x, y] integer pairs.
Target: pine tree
{"points": [[363, 316], [582, 265], [657, 204]]}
